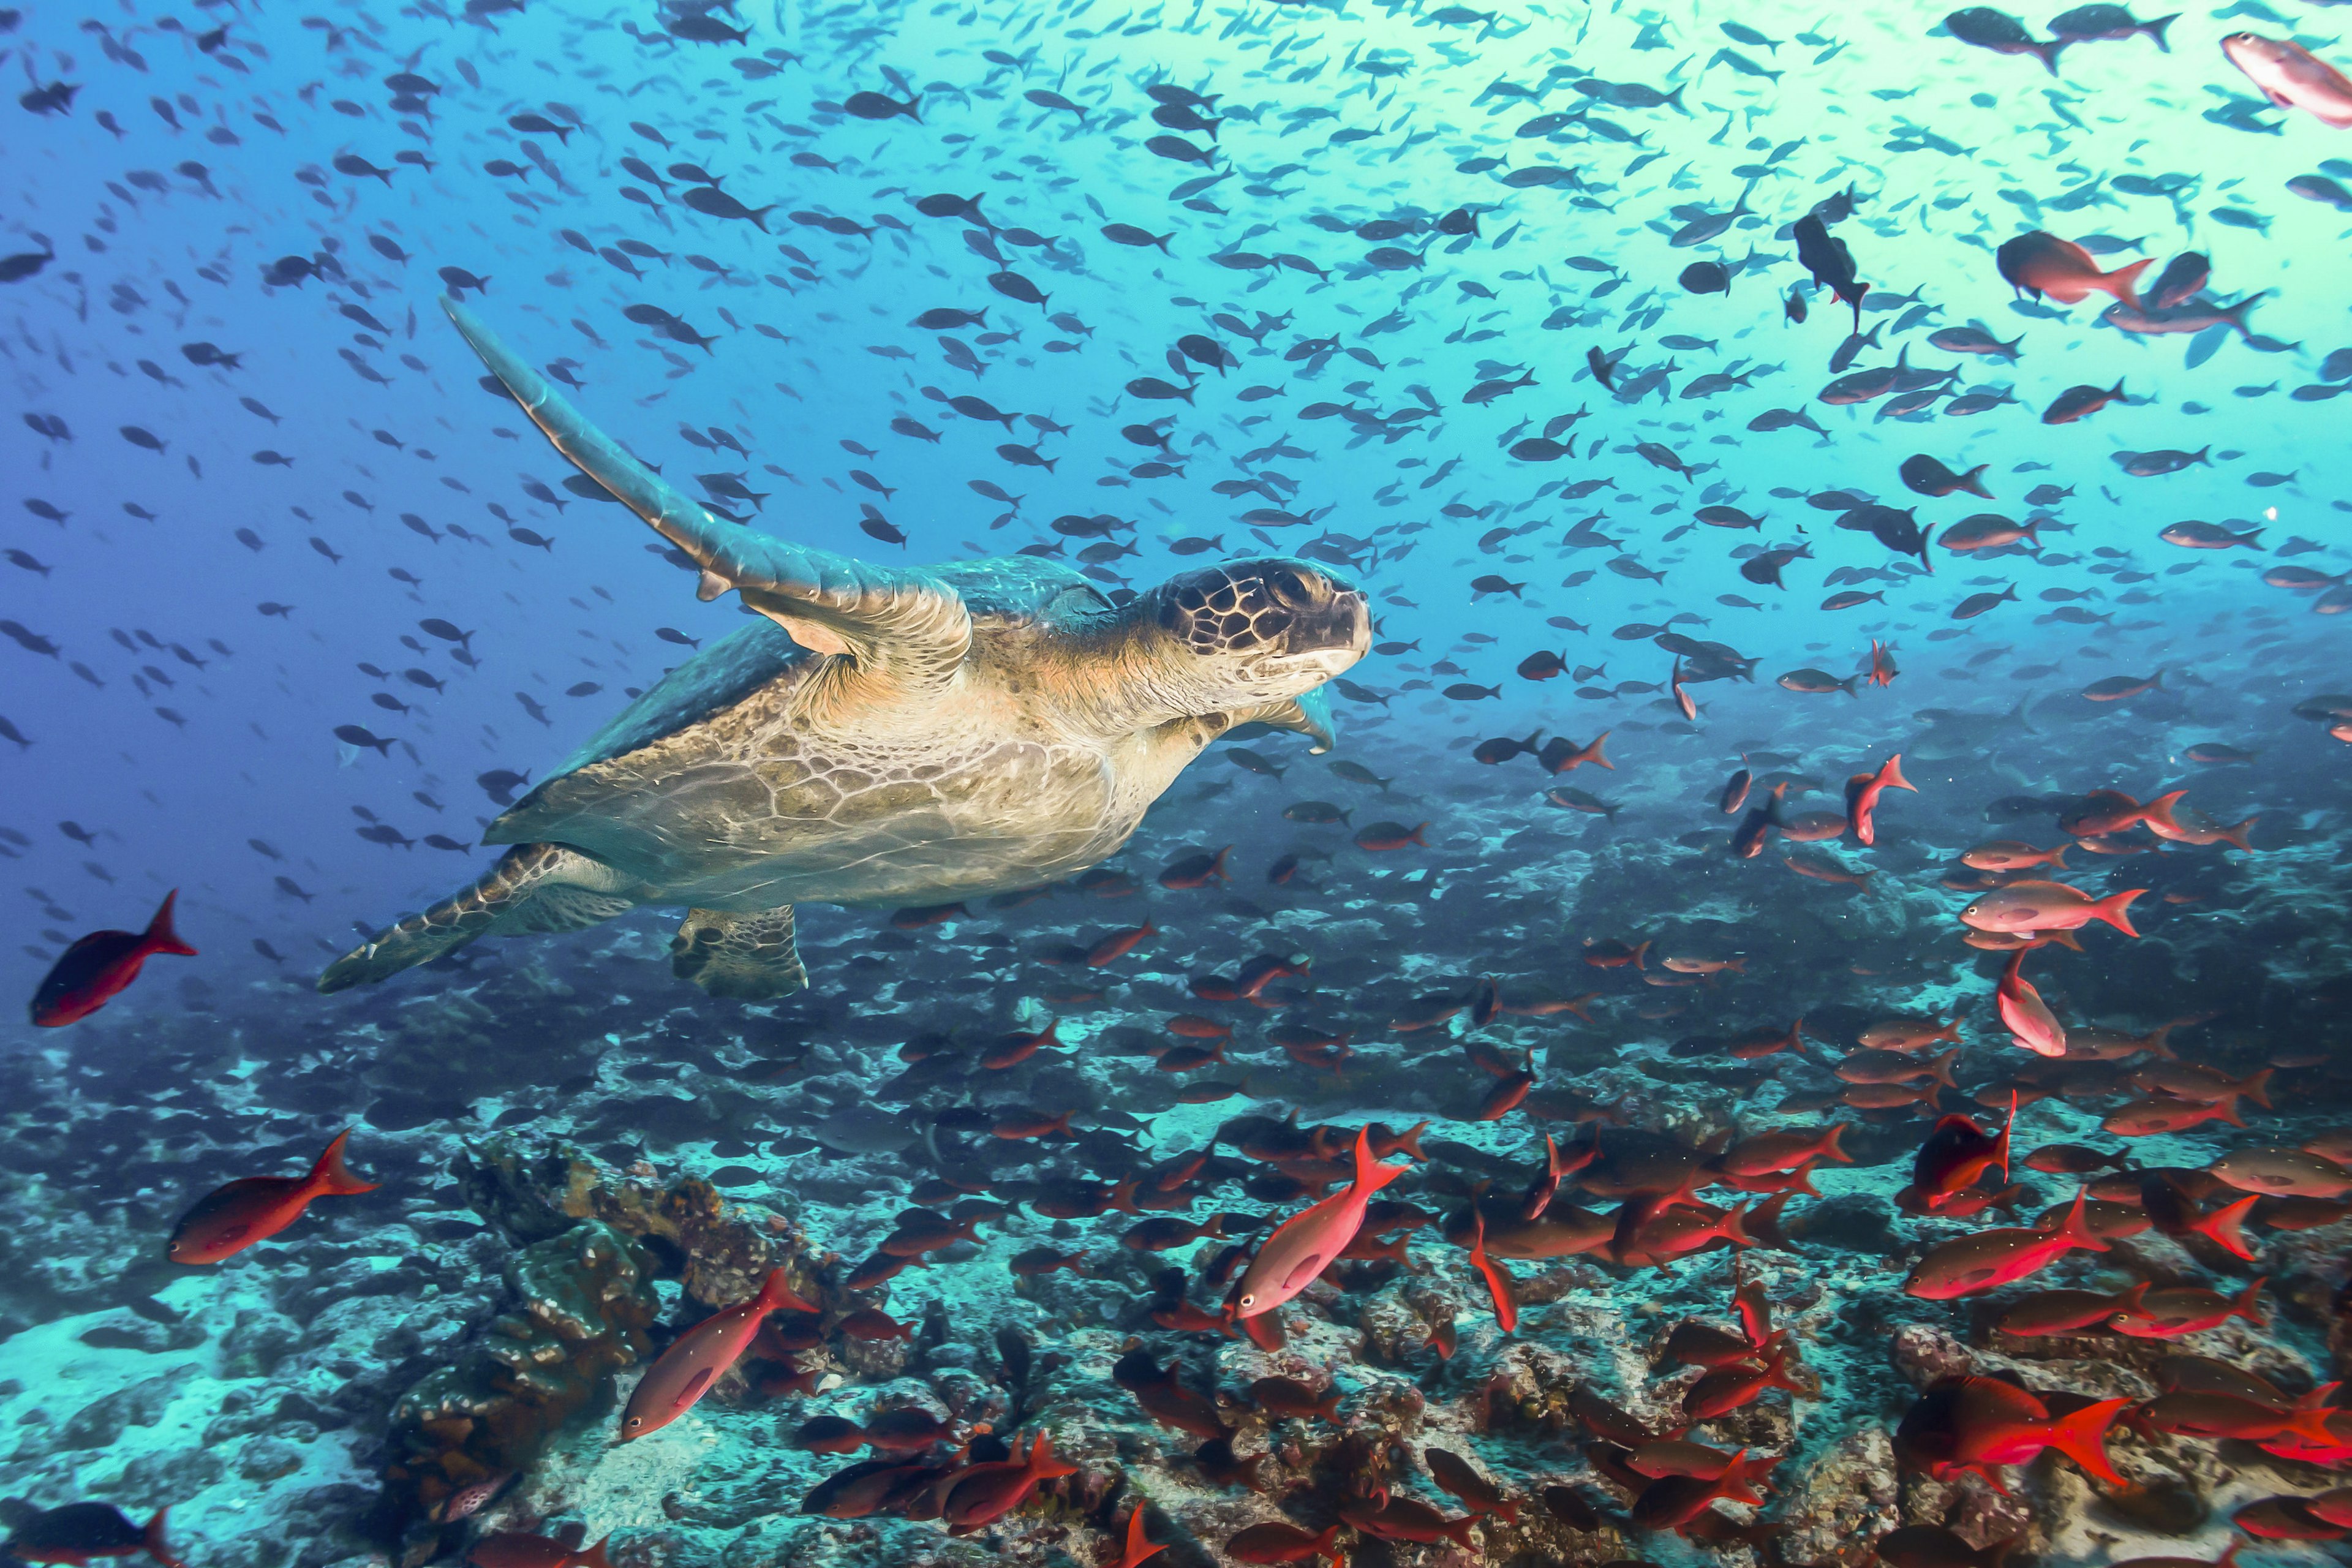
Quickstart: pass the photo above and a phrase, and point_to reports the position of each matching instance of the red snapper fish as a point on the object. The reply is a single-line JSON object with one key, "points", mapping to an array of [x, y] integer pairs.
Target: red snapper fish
{"points": [[2024, 1014], [1987, 1260], [1862, 793], [1296, 1253], [699, 1356], [1979, 1424], [97, 968], [2040, 263], [80, 1531], [516, 1549], [2291, 77], [251, 1209]]}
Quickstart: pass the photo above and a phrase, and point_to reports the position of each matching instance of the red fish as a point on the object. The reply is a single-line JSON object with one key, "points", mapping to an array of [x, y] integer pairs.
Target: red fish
{"points": [[514, 1549], [2166, 1315], [79, 1532], [1138, 1546], [2024, 1014], [1290, 1259], [95, 969], [1954, 1155], [986, 1493], [2040, 263], [699, 1357], [1407, 1519], [1862, 793], [1196, 870], [1980, 1423], [1012, 1050], [1118, 944], [1673, 1501], [1733, 1387], [2211, 1415], [1498, 1278], [1279, 1543], [254, 1208], [1987, 1260]]}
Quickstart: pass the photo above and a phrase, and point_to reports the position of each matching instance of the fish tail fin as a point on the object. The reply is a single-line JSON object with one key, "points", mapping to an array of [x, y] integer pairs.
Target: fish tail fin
{"points": [[2256, 1087], [330, 1175], [2222, 1227], [2000, 1144], [1041, 1462], [2058, 856], [1942, 1067], [1371, 1174], [2111, 910], [2311, 1425], [2155, 30], [153, 1541], [1733, 1227], [2082, 1437], [1410, 1144], [2249, 1305], [776, 1292], [2076, 1226], [2237, 835], [1735, 1484], [2048, 54], [593, 1557], [2125, 281], [1834, 1146], [160, 936], [1890, 775]]}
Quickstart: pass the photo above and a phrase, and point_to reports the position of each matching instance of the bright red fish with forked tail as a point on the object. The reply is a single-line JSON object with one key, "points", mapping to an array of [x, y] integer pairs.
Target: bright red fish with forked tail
{"points": [[231, 1218], [699, 1357], [95, 969], [1980, 1423]]}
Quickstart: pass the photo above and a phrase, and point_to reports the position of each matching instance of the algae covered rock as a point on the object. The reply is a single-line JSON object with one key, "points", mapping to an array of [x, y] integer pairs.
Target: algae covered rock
{"points": [[582, 1301]]}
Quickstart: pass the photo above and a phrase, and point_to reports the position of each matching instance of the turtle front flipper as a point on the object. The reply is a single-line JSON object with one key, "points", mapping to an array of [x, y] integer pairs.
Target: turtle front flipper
{"points": [[901, 623], [750, 957], [533, 888]]}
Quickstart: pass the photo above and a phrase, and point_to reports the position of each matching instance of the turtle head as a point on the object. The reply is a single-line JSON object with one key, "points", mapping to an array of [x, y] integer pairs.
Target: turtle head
{"points": [[1248, 632]]}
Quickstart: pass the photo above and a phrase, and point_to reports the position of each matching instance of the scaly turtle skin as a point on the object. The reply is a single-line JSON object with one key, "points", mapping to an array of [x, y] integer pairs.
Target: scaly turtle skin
{"points": [[885, 736]]}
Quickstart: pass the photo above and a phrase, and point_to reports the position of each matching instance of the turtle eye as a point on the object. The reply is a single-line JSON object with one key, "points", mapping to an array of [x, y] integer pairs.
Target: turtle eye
{"points": [[1289, 587]]}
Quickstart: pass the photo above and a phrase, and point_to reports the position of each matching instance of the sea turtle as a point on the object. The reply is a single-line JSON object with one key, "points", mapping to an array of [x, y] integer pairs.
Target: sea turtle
{"points": [[883, 736]]}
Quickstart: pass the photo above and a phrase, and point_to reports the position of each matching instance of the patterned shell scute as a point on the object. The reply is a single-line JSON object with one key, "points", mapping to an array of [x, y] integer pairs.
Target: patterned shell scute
{"points": [[1027, 588], [712, 681]]}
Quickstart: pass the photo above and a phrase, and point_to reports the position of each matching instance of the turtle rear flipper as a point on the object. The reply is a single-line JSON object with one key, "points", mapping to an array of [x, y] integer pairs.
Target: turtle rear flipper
{"points": [[533, 888], [750, 957]]}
